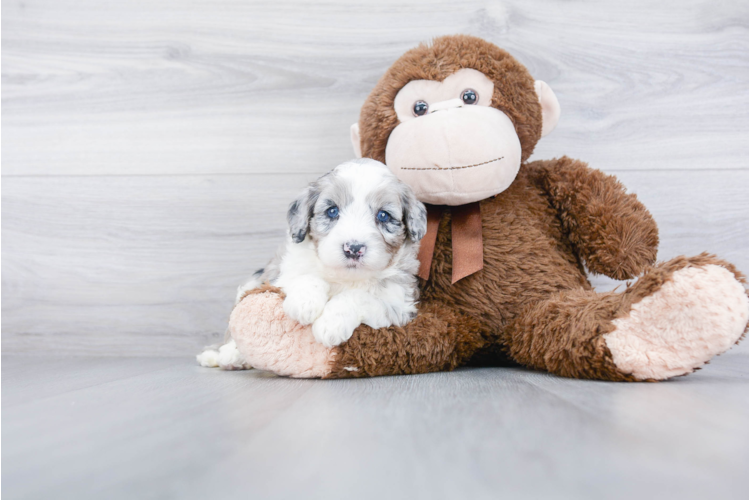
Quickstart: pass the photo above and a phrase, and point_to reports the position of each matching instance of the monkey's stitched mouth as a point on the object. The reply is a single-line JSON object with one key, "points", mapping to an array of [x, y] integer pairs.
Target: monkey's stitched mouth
{"points": [[454, 168]]}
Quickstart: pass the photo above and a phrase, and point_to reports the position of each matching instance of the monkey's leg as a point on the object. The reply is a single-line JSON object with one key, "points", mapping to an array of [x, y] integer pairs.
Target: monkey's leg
{"points": [[438, 339], [674, 319]]}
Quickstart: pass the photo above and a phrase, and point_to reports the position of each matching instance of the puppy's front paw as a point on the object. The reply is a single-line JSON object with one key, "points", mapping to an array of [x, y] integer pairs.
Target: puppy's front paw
{"points": [[304, 308], [333, 328]]}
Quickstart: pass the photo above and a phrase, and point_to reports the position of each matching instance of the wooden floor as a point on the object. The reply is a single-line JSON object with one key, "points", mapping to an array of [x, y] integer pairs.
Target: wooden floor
{"points": [[164, 428]]}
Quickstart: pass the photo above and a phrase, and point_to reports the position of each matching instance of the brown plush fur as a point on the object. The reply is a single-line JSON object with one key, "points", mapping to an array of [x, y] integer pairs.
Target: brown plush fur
{"points": [[530, 261], [605, 226], [439, 339], [565, 333], [532, 301]]}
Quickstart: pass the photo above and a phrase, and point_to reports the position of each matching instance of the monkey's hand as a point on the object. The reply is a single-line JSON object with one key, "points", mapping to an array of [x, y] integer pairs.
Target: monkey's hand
{"points": [[610, 229]]}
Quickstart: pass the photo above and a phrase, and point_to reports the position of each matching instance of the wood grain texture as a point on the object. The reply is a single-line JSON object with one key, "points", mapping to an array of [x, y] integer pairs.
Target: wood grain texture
{"points": [[151, 148], [164, 428]]}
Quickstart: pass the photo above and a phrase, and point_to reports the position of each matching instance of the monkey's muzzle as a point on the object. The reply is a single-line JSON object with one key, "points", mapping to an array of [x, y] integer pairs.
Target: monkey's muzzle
{"points": [[455, 155]]}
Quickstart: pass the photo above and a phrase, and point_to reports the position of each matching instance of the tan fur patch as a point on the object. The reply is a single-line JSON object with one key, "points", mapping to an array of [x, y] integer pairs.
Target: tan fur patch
{"points": [[698, 314]]}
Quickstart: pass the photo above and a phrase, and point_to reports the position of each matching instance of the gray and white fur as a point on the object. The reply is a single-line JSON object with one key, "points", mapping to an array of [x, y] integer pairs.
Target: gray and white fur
{"points": [[350, 257]]}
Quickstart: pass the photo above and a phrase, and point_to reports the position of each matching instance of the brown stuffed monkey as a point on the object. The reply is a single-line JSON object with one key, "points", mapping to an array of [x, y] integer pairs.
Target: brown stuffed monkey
{"points": [[503, 261]]}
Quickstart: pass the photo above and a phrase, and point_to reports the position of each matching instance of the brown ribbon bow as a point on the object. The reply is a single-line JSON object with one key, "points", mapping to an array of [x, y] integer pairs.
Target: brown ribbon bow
{"points": [[466, 233]]}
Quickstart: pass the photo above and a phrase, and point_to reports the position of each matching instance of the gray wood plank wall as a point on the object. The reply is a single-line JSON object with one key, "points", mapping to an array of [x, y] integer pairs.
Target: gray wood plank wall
{"points": [[149, 149]]}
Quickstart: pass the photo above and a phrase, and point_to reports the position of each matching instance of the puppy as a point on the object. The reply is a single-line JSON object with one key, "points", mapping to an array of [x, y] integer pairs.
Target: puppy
{"points": [[350, 257]]}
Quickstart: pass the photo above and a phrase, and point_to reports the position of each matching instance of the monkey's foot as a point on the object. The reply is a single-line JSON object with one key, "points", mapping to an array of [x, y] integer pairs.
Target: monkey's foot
{"points": [[697, 313], [269, 340]]}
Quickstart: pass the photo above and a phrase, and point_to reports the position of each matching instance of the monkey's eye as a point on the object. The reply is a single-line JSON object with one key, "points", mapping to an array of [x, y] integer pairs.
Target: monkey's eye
{"points": [[332, 212], [383, 216], [468, 96], [420, 108]]}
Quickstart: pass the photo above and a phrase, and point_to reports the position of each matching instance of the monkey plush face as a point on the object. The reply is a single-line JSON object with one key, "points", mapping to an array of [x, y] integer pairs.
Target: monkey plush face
{"points": [[450, 143], [455, 120]]}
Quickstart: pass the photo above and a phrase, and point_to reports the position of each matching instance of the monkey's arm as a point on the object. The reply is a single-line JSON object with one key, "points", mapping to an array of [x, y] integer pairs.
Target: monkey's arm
{"points": [[610, 229]]}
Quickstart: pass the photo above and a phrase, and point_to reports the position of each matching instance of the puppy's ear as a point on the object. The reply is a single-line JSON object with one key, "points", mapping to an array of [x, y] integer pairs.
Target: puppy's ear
{"points": [[415, 215], [300, 212]]}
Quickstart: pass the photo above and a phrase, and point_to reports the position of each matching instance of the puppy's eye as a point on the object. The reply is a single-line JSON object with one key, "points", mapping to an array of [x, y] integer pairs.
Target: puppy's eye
{"points": [[468, 96], [332, 212], [383, 216], [420, 108]]}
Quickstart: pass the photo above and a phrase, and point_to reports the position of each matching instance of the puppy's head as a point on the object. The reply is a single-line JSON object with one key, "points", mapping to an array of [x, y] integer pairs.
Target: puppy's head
{"points": [[358, 216]]}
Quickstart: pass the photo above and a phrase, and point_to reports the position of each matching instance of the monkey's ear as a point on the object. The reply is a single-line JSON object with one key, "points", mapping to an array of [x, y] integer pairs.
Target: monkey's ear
{"points": [[550, 106], [355, 140]]}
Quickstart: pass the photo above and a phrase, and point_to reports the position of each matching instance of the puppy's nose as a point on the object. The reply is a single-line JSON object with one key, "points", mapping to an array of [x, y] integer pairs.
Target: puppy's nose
{"points": [[354, 250]]}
